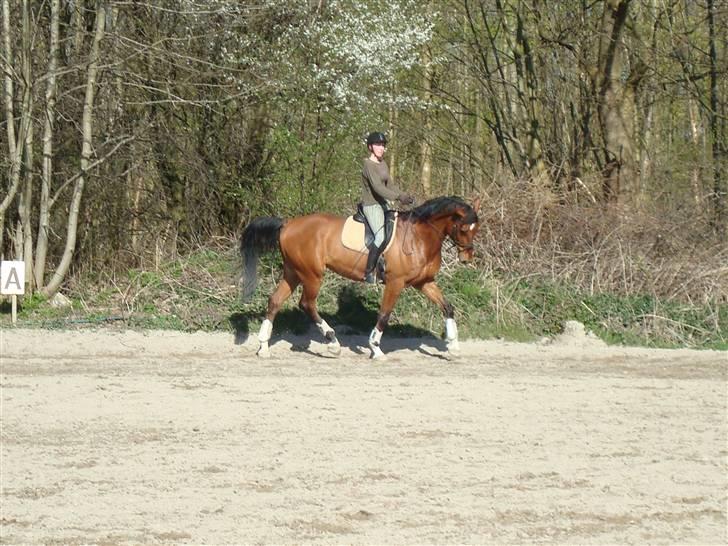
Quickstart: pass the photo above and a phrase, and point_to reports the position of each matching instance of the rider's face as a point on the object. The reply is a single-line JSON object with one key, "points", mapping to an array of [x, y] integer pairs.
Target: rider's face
{"points": [[378, 150]]}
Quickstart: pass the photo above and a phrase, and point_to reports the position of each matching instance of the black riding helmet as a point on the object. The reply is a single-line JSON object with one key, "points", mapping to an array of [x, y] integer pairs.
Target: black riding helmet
{"points": [[376, 138]]}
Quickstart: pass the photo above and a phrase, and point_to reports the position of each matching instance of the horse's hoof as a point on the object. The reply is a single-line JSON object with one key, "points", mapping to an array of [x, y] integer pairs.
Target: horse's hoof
{"points": [[452, 355], [264, 353], [334, 349], [453, 350], [377, 354]]}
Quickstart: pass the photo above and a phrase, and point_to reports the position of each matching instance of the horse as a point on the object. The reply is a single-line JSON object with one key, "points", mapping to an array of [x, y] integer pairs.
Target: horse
{"points": [[312, 244]]}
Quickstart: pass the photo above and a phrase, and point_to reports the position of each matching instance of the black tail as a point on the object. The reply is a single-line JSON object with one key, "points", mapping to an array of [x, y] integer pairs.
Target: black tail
{"points": [[261, 235]]}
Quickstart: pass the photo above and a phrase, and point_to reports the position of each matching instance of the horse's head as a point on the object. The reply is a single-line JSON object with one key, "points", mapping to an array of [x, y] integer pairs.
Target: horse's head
{"points": [[465, 226], [453, 217]]}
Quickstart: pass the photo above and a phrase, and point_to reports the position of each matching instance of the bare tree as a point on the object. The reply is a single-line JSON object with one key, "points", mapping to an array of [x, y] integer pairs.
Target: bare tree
{"points": [[41, 249], [427, 134], [87, 125], [15, 140], [23, 231], [618, 149], [717, 130]]}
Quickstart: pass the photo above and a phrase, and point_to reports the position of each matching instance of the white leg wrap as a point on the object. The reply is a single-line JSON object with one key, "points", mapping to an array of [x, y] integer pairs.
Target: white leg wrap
{"points": [[265, 331], [333, 344], [451, 337], [451, 330], [263, 336], [324, 327], [375, 339]]}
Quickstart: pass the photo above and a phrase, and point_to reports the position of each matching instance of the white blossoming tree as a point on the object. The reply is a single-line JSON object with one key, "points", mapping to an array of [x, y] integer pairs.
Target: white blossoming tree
{"points": [[326, 73], [329, 72]]}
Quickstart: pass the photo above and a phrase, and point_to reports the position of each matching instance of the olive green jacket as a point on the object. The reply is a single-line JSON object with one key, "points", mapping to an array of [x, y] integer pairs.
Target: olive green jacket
{"points": [[377, 186]]}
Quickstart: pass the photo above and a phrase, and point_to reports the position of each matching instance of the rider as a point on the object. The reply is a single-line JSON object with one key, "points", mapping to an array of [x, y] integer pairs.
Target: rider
{"points": [[377, 190]]}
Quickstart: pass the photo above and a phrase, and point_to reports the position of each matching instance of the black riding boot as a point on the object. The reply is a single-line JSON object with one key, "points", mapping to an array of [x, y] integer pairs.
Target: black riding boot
{"points": [[369, 275]]}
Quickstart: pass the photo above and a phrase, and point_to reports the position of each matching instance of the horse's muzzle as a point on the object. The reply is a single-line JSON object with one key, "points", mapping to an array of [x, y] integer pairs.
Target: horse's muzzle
{"points": [[465, 255]]}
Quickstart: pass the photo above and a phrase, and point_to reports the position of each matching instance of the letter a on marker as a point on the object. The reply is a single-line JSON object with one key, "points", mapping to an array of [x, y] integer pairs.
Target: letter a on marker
{"points": [[12, 278]]}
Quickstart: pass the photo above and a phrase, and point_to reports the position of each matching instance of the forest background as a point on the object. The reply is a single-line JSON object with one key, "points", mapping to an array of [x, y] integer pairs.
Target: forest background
{"points": [[138, 138]]}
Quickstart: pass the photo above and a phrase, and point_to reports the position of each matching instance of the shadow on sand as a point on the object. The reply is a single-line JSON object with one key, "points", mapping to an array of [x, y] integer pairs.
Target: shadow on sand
{"points": [[353, 321]]}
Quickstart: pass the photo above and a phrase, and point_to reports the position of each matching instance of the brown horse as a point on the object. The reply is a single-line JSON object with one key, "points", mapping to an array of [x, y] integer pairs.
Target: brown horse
{"points": [[311, 244]]}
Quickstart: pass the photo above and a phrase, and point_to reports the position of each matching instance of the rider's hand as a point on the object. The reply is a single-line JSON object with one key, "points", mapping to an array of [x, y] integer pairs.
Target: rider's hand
{"points": [[406, 199]]}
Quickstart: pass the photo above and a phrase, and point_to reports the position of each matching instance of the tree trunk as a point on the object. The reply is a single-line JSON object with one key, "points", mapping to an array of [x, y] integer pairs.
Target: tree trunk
{"points": [[25, 204], [87, 135], [41, 248], [392, 155], [426, 144], [25, 201], [16, 142], [618, 149], [9, 119], [696, 171], [720, 147], [527, 86], [629, 118], [78, 27]]}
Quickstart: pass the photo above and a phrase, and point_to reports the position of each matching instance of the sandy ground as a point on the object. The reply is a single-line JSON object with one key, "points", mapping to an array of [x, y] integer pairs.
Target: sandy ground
{"points": [[171, 438]]}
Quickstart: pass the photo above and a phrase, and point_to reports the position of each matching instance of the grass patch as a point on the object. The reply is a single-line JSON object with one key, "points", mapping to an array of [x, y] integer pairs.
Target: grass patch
{"points": [[640, 319], [200, 292]]}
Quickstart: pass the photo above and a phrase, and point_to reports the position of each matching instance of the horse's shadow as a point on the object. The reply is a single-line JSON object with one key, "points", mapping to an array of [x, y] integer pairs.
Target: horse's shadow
{"points": [[353, 321]]}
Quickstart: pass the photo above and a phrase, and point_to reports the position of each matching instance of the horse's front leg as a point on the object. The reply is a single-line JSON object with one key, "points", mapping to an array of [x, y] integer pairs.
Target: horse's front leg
{"points": [[392, 290], [434, 294]]}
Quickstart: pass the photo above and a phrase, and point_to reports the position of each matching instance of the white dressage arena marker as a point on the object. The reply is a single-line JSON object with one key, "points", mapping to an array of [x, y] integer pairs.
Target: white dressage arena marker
{"points": [[12, 282]]}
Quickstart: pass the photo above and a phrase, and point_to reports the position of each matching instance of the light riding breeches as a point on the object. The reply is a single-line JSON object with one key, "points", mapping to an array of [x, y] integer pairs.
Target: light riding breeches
{"points": [[375, 217]]}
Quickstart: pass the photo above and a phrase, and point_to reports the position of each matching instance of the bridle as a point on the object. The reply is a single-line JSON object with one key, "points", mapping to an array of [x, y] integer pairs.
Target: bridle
{"points": [[456, 226], [469, 246]]}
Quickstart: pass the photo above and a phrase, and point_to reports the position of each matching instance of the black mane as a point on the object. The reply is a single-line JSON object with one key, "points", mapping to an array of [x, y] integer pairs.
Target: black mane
{"points": [[439, 206]]}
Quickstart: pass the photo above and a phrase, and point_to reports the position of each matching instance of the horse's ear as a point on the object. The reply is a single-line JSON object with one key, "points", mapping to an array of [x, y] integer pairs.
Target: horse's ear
{"points": [[476, 204]]}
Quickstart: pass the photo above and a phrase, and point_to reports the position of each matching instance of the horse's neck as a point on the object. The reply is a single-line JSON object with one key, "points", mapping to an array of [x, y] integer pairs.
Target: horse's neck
{"points": [[436, 224], [430, 233]]}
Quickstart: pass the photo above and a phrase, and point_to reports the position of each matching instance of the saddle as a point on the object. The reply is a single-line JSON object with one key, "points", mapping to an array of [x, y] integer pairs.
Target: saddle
{"points": [[357, 235]]}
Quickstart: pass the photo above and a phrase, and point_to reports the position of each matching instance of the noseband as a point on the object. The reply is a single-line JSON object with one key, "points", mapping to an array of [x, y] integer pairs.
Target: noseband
{"points": [[463, 247], [459, 245]]}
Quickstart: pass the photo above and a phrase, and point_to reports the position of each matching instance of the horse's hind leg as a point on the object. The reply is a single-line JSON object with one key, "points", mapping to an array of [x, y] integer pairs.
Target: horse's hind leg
{"points": [[392, 290], [285, 287], [311, 286]]}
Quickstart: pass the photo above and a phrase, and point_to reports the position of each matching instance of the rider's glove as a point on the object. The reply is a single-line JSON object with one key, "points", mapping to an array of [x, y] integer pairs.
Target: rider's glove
{"points": [[406, 199]]}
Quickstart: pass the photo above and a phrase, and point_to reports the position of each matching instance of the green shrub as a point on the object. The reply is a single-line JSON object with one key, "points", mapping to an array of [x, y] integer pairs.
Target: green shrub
{"points": [[200, 292]]}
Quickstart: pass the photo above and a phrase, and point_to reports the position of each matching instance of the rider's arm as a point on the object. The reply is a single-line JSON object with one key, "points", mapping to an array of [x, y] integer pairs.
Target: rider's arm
{"points": [[375, 175]]}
